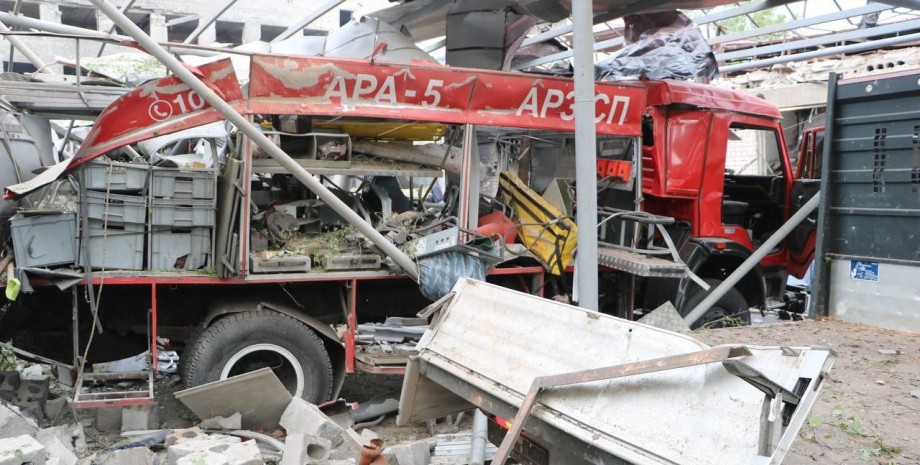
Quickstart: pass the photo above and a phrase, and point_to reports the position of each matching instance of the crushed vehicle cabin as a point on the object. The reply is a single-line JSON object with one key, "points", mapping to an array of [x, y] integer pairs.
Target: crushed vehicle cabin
{"points": [[467, 172]]}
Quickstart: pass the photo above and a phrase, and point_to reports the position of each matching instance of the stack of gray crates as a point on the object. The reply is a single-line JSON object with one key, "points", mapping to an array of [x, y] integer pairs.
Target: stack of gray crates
{"points": [[182, 218], [116, 206]]}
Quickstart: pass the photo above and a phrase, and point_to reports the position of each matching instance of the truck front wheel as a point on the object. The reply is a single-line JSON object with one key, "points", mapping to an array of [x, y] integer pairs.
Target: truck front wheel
{"points": [[730, 310], [248, 341]]}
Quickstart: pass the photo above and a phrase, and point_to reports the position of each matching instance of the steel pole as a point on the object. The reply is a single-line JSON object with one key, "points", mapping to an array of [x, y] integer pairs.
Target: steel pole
{"points": [[585, 155], [752, 261], [255, 134], [26, 51]]}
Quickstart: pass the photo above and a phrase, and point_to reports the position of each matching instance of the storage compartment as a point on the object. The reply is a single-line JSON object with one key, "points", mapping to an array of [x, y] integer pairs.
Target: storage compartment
{"points": [[180, 249], [296, 264], [115, 176], [322, 150], [116, 208], [115, 246], [182, 213], [44, 240], [183, 183]]}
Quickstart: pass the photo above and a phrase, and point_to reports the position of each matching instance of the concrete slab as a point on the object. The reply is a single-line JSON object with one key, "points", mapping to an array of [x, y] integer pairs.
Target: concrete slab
{"points": [[300, 449], [258, 396], [132, 456], [23, 449], [302, 417], [137, 418], [244, 453], [202, 457], [231, 422], [216, 443], [412, 453], [14, 423]]}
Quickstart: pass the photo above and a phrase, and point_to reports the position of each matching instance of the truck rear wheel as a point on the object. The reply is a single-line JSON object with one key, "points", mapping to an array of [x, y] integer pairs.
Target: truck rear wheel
{"points": [[730, 310], [248, 341]]}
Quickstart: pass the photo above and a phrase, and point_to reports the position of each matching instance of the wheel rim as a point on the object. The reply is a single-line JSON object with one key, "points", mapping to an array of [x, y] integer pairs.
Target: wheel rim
{"points": [[280, 360]]}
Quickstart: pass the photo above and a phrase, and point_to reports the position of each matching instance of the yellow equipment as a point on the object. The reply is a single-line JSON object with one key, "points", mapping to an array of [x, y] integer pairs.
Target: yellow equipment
{"points": [[546, 231]]}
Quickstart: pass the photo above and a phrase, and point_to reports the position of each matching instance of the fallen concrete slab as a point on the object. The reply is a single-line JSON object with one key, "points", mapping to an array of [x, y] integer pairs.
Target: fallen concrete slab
{"points": [[231, 422], [132, 456], [13, 422], [302, 417], [20, 450], [244, 453], [202, 457], [300, 449], [216, 443], [258, 396]]}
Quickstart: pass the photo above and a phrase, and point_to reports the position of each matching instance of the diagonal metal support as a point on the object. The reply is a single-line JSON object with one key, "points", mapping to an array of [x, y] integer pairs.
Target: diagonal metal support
{"points": [[306, 20], [207, 23], [703, 357]]}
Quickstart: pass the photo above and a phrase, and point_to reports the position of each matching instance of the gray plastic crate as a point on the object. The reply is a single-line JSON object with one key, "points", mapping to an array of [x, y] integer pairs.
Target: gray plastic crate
{"points": [[115, 176], [117, 246], [182, 213], [180, 250], [117, 208], [183, 183], [44, 240]]}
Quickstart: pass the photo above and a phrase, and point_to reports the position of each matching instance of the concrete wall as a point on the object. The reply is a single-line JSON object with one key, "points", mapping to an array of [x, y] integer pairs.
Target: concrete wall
{"points": [[243, 22], [893, 301]]}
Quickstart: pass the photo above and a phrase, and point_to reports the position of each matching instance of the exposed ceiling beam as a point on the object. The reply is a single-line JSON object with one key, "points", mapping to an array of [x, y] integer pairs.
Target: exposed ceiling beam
{"points": [[182, 20], [799, 23], [912, 4], [718, 16], [822, 40], [617, 41], [841, 49]]}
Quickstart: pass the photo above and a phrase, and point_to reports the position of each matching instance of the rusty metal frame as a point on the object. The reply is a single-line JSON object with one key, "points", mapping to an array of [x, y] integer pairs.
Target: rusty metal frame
{"points": [[703, 357]]}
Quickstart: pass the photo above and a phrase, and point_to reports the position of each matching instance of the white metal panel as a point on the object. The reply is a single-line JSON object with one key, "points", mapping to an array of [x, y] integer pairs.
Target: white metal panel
{"points": [[892, 301], [500, 340]]}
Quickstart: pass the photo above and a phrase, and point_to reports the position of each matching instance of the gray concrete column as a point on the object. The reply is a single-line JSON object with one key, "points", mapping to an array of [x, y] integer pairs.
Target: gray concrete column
{"points": [[49, 12], [252, 32], [208, 36], [103, 23], [158, 31]]}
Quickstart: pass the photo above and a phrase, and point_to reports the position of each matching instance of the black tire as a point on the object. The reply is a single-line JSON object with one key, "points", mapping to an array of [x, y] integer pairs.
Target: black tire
{"points": [[731, 310], [244, 342]]}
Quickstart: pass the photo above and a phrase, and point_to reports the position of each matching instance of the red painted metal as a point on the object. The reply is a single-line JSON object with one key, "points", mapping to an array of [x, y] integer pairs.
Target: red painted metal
{"points": [[158, 107], [153, 328], [111, 403], [668, 93], [352, 330], [425, 92]]}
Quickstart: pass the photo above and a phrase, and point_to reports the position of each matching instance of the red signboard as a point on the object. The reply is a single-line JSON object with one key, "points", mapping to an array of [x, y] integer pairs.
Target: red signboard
{"points": [[425, 92], [159, 107]]}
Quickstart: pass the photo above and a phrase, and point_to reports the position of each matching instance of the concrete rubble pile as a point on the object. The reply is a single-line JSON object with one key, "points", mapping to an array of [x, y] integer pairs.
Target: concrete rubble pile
{"points": [[309, 437]]}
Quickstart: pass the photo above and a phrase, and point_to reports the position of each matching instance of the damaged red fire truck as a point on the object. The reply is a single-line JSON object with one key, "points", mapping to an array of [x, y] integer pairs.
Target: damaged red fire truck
{"points": [[159, 229]]}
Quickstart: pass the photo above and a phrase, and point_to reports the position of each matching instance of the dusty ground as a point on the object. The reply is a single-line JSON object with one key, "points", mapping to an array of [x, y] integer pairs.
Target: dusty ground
{"points": [[866, 413]]}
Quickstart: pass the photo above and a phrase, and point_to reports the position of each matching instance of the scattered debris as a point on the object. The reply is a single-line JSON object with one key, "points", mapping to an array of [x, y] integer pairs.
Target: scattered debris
{"points": [[258, 396], [229, 422]]}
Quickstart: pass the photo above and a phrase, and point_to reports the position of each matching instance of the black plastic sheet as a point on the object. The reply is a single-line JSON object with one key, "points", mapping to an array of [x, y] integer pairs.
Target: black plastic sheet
{"points": [[665, 45]]}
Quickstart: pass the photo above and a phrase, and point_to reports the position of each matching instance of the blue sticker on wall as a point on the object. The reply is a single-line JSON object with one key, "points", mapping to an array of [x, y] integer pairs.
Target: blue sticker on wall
{"points": [[864, 271]]}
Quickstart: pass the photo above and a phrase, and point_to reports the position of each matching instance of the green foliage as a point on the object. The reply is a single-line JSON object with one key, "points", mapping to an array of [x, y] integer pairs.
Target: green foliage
{"points": [[762, 18]]}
